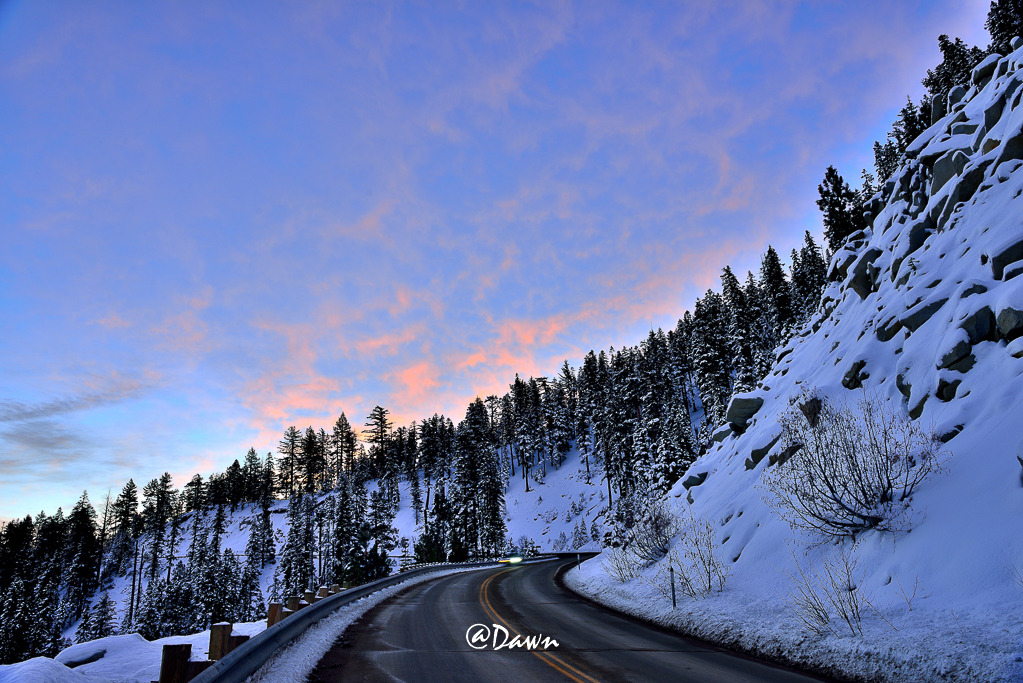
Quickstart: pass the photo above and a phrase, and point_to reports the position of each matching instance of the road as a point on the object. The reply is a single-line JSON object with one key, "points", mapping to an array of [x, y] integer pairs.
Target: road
{"points": [[421, 635]]}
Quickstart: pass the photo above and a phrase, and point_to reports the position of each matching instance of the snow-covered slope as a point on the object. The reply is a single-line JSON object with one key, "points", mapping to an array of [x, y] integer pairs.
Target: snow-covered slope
{"points": [[925, 311]]}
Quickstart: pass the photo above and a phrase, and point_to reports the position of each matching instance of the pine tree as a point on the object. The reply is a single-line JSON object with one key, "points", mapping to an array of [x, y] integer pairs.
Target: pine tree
{"points": [[957, 62], [808, 277], [777, 294], [251, 607], [100, 622], [1004, 22], [346, 445], [741, 328], [711, 356], [290, 472], [840, 206], [378, 435], [195, 494], [83, 550], [295, 565]]}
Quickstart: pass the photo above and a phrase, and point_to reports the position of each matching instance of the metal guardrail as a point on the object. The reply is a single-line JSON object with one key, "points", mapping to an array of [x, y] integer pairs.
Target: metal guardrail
{"points": [[250, 656]]}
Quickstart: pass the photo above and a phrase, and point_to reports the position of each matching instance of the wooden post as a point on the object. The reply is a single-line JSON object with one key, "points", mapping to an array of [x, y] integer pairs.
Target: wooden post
{"points": [[291, 602], [671, 578], [174, 663], [322, 593], [235, 641], [335, 588], [195, 668], [285, 613], [274, 614], [219, 633], [310, 597]]}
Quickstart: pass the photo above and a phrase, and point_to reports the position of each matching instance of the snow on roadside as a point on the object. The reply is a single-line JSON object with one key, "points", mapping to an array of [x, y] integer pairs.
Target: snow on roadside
{"points": [[927, 645], [294, 663]]}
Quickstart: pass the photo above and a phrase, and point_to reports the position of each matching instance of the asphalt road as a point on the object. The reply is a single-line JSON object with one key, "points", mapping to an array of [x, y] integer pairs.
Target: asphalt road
{"points": [[421, 635]]}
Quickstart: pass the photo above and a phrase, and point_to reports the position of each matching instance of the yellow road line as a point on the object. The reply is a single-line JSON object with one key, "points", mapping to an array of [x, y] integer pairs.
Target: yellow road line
{"points": [[547, 658]]}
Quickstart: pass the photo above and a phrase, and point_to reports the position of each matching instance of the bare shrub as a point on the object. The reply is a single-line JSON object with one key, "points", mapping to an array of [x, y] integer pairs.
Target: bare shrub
{"points": [[651, 537], [696, 562], [855, 469], [907, 596], [1016, 575], [619, 564], [825, 598]]}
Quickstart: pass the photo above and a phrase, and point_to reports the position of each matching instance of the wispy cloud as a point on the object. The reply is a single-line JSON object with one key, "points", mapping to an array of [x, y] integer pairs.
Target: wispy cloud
{"points": [[17, 411]]}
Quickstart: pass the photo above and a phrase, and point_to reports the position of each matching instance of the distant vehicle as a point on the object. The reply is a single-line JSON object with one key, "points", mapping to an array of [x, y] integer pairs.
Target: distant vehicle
{"points": [[511, 559]]}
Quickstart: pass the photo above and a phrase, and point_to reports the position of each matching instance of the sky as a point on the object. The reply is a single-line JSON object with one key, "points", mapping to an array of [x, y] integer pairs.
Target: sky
{"points": [[221, 219]]}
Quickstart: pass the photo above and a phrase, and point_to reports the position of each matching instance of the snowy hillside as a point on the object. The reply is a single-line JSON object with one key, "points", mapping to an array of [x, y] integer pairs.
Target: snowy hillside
{"points": [[924, 310]]}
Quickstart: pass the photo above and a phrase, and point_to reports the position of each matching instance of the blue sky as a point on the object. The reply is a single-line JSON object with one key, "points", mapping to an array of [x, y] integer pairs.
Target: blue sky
{"points": [[221, 220]]}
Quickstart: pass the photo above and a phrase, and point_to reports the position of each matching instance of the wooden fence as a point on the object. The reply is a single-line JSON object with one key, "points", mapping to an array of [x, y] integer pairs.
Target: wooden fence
{"points": [[177, 665]]}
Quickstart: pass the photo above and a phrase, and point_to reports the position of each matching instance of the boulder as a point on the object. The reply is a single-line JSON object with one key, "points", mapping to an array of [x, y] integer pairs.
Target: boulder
{"points": [[979, 325], [1010, 322], [947, 390], [1006, 255], [964, 364], [1015, 348], [955, 96], [886, 331], [975, 288], [853, 379], [950, 434], [961, 349], [742, 408], [695, 480], [983, 72], [938, 108], [1012, 148], [916, 411], [780, 458], [840, 265], [904, 387], [811, 409], [758, 454], [993, 112], [920, 314], [722, 433], [948, 165], [862, 280]]}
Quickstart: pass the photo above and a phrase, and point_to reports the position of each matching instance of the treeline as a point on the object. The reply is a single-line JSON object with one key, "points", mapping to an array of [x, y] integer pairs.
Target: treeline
{"points": [[630, 412]]}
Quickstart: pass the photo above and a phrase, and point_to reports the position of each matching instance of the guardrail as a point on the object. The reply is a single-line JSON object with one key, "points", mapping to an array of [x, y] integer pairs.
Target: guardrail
{"points": [[245, 659]]}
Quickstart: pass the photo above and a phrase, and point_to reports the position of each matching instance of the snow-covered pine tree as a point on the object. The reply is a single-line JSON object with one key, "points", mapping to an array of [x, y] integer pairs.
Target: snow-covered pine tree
{"points": [[808, 275], [777, 293], [251, 606], [740, 331], [711, 355], [295, 565], [100, 622]]}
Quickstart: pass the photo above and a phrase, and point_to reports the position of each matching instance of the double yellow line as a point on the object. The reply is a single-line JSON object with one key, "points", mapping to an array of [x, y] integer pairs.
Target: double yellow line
{"points": [[547, 658]]}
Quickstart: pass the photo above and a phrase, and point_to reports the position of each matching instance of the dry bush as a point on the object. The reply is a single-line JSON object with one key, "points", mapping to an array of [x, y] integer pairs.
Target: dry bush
{"points": [[1016, 575], [824, 598], [696, 562], [620, 564], [651, 537], [855, 469]]}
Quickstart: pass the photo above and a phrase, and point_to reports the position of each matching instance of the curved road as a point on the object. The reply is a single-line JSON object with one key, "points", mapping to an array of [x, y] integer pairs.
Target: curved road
{"points": [[420, 635]]}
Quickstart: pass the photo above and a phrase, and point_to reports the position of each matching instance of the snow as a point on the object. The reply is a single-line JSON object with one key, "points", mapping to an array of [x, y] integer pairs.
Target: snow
{"points": [[966, 620]]}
